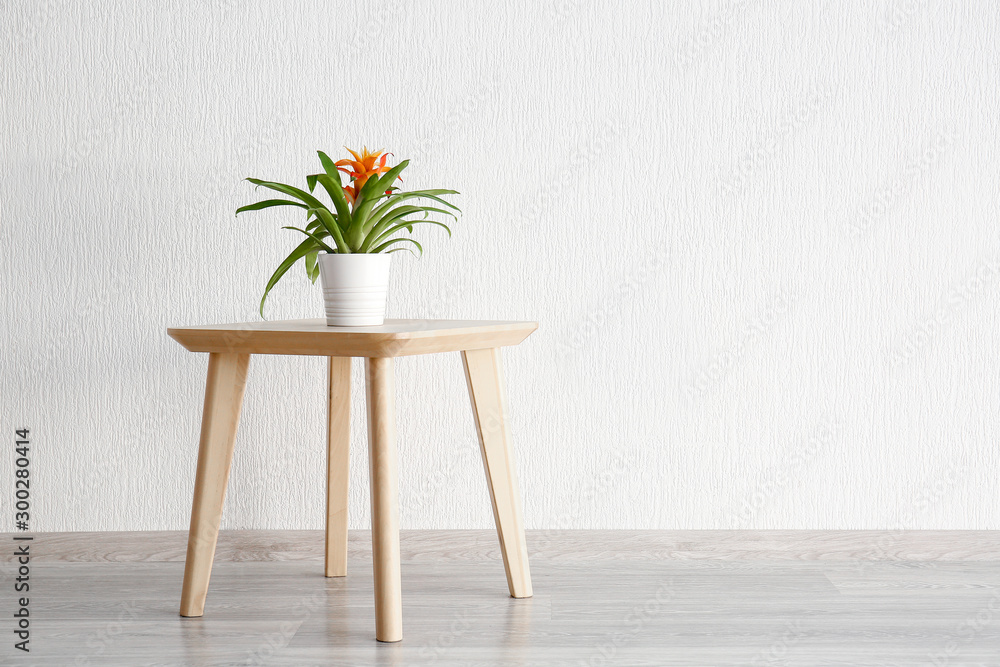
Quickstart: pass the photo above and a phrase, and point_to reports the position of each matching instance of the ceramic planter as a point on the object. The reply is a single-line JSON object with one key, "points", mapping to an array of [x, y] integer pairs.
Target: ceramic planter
{"points": [[354, 288]]}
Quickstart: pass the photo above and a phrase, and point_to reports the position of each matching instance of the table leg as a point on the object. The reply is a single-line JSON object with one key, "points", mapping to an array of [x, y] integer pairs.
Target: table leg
{"points": [[338, 444], [484, 375], [227, 375], [384, 498]]}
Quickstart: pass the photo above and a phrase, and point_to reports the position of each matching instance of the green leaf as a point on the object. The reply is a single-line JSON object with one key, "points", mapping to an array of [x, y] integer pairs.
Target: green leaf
{"points": [[366, 200], [330, 223], [387, 220], [268, 203], [311, 181], [381, 183], [395, 214], [407, 224], [397, 240], [399, 197], [386, 180], [377, 226], [307, 246], [328, 165], [311, 265], [336, 191], [392, 214], [290, 190], [409, 250], [359, 220], [314, 238]]}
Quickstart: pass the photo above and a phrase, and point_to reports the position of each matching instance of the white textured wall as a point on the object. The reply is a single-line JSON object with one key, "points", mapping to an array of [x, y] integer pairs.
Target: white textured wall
{"points": [[760, 237]]}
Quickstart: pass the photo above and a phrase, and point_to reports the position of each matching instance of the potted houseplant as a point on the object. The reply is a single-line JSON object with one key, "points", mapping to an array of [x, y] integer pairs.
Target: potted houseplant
{"points": [[349, 246]]}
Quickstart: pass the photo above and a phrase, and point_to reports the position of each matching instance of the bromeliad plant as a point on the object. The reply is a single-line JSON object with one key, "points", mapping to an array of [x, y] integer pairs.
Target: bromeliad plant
{"points": [[368, 214]]}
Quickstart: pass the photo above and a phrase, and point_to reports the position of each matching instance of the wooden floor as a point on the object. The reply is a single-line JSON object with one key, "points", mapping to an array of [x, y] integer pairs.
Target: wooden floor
{"points": [[601, 598]]}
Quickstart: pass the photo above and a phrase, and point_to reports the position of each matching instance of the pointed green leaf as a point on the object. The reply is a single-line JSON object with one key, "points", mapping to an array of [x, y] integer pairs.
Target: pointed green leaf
{"points": [[400, 197], [334, 188], [330, 223], [311, 181], [328, 165], [314, 237], [268, 203], [407, 224], [397, 240], [289, 190], [374, 227], [300, 251], [370, 193], [311, 260], [409, 250]]}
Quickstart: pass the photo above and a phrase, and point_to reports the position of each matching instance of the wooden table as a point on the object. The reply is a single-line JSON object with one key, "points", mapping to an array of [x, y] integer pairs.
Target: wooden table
{"points": [[230, 346]]}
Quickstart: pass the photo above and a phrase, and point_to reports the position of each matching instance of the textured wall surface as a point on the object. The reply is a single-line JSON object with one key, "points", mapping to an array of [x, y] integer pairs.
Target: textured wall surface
{"points": [[760, 238]]}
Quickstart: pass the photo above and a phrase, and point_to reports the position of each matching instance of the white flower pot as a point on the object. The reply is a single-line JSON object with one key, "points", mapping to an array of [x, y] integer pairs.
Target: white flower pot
{"points": [[354, 288]]}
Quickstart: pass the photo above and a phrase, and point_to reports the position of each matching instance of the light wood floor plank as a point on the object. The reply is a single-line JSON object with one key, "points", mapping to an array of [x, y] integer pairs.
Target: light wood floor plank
{"points": [[672, 611], [565, 546]]}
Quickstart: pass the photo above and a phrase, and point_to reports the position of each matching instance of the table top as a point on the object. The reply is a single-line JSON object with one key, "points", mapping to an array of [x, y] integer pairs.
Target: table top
{"points": [[395, 338]]}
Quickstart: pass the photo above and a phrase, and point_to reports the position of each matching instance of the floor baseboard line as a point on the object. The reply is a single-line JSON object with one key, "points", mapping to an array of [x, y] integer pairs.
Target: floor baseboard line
{"points": [[565, 546]]}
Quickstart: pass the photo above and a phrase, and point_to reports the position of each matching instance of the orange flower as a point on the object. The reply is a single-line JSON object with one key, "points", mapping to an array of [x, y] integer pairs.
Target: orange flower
{"points": [[361, 168]]}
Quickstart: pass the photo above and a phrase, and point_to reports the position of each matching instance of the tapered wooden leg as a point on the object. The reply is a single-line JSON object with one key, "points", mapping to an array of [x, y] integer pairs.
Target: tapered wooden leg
{"points": [[383, 475], [227, 375], [484, 375], [338, 444]]}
